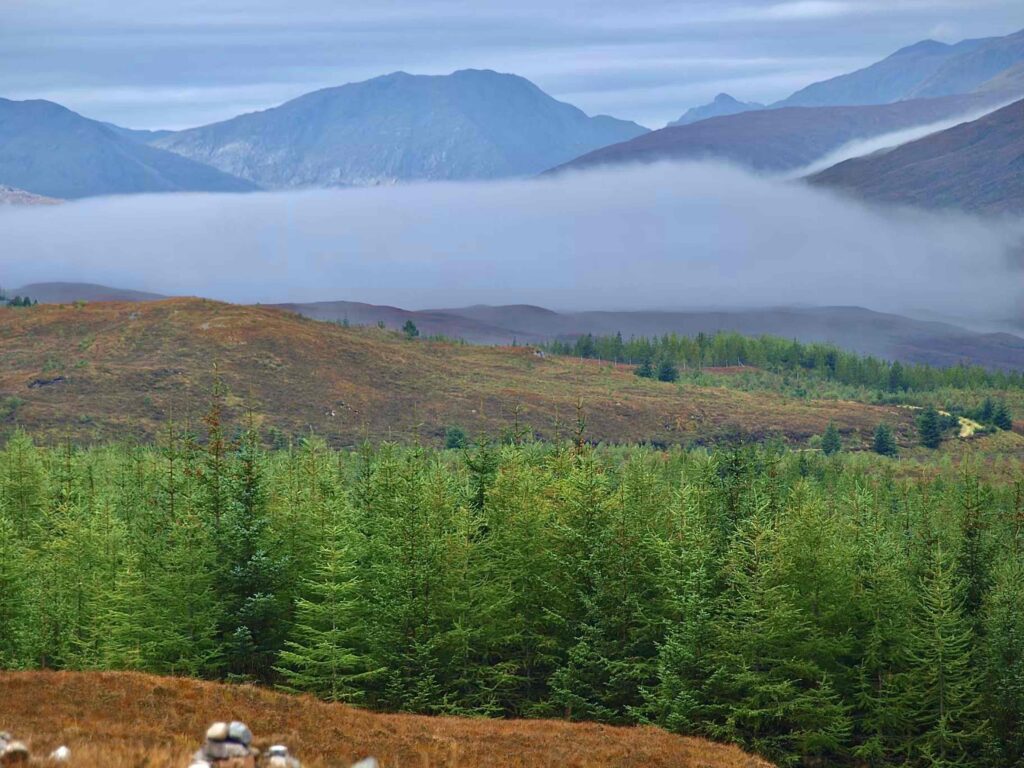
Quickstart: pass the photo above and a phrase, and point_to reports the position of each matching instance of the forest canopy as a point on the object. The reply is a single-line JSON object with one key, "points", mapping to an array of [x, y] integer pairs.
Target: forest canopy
{"points": [[803, 606]]}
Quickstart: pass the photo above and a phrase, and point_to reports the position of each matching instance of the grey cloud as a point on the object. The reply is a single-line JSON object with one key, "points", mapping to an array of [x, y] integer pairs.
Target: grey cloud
{"points": [[644, 237], [95, 50]]}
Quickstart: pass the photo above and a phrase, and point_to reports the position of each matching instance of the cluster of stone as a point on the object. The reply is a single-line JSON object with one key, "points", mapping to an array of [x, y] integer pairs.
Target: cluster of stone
{"points": [[227, 745], [12, 751]]}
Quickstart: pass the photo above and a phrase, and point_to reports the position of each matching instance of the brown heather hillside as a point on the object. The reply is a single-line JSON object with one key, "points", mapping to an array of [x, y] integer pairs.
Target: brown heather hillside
{"points": [[122, 720], [102, 371]]}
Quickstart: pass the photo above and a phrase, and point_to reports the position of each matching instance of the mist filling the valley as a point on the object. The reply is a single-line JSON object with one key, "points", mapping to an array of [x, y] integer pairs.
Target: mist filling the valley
{"points": [[662, 236]]}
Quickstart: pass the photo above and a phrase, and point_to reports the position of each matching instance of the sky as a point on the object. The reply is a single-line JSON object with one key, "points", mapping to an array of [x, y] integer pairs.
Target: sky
{"points": [[661, 236], [159, 64]]}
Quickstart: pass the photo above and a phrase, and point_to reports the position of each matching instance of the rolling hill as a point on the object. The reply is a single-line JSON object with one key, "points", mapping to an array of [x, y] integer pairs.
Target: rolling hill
{"points": [[118, 720], [976, 166], [924, 70], [472, 124], [68, 293], [108, 371], [50, 150], [785, 139], [885, 335]]}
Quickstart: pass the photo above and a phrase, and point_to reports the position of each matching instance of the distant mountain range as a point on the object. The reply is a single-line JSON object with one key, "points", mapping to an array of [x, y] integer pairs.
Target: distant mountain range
{"points": [[479, 124], [472, 124], [50, 150], [924, 70], [785, 139], [723, 105], [976, 166], [889, 336]]}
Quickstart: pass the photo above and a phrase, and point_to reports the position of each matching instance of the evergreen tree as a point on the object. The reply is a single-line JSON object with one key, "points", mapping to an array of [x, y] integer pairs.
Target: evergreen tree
{"points": [[941, 697], [325, 657], [410, 330], [667, 371], [831, 443], [929, 428], [645, 370], [454, 438], [255, 621], [884, 443], [1001, 417], [15, 608], [1004, 661]]}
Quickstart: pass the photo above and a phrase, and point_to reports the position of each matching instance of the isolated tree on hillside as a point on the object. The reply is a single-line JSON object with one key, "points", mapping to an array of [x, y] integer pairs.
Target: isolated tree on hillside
{"points": [[1001, 417], [645, 370], [410, 330], [454, 437], [929, 428], [884, 443], [667, 371], [831, 443]]}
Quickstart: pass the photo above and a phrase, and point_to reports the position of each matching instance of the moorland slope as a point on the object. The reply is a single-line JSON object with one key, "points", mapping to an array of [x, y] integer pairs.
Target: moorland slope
{"points": [[118, 720], [120, 370]]}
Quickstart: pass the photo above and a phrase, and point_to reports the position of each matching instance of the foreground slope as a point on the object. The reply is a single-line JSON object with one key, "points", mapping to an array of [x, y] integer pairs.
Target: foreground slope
{"points": [[121, 370], [121, 719], [52, 151], [471, 124], [976, 166]]}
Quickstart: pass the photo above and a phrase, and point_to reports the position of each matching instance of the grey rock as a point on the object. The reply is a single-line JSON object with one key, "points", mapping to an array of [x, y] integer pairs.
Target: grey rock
{"points": [[238, 731]]}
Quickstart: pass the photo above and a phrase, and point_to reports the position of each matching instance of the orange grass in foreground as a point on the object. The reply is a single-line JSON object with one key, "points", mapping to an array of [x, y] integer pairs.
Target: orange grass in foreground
{"points": [[116, 720]]}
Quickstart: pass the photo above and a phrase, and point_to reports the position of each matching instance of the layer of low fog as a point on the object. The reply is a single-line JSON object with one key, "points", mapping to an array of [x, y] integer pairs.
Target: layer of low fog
{"points": [[665, 236], [862, 147]]}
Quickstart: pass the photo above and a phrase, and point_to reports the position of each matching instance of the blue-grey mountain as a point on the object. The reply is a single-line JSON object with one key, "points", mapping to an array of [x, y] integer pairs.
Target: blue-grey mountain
{"points": [[785, 139], [723, 105], [471, 124], [977, 166], [50, 150], [923, 70]]}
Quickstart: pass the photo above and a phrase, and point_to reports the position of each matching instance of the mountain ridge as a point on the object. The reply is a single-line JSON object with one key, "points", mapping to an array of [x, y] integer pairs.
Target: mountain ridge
{"points": [[471, 124], [976, 166], [49, 150]]}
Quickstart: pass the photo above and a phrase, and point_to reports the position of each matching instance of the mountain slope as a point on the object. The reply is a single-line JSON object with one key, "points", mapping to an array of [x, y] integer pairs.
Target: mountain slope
{"points": [[67, 293], [924, 70], [723, 104], [976, 166], [15, 196], [468, 125], [786, 139], [122, 719], [972, 68], [52, 151], [107, 371]]}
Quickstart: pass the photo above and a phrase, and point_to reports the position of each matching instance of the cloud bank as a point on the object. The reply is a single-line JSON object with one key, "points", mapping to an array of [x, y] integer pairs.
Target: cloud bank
{"points": [[664, 236], [197, 61]]}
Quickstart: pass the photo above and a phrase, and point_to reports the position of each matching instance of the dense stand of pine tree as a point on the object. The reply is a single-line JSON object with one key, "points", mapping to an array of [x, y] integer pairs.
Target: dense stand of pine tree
{"points": [[775, 354], [816, 610]]}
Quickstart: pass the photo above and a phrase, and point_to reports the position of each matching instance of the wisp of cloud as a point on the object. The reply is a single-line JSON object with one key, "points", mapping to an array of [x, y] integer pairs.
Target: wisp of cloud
{"points": [[641, 237]]}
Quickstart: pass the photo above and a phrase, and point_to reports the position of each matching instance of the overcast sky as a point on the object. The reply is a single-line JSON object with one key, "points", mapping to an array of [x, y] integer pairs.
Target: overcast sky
{"points": [[159, 64]]}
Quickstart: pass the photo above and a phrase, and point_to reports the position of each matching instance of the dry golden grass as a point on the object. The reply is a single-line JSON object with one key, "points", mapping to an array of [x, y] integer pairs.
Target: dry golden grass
{"points": [[127, 720], [126, 368]]}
